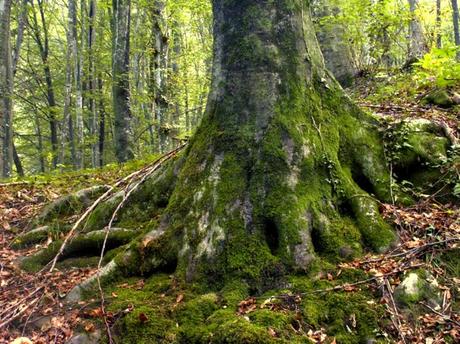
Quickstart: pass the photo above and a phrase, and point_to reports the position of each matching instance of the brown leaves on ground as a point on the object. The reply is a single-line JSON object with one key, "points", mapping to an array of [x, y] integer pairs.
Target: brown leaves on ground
{"points": [[31, 300]]}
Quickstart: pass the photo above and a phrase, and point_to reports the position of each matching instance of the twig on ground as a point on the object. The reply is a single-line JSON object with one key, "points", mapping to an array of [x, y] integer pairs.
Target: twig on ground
{"points": [[397, 324], [444, 316]]}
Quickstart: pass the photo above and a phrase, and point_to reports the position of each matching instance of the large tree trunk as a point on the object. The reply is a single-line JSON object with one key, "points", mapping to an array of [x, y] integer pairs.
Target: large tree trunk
{"points": [[335, 48], [281, 167], [120, 74], [6, 88]]}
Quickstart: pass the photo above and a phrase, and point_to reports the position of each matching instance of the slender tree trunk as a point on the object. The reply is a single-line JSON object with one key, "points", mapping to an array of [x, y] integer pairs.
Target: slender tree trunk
{"points": [[438, 25], [120, 74], [160, 63], [176, 35], [22, 22], [67, 118], [17, 162], [78, 85], [101, 116], [417, 43], [43, 46], [455, 17], [92, 83], [6, 88], [38, 132]]}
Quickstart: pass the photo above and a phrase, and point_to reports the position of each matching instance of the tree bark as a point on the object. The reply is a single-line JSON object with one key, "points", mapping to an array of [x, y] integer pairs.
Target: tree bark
{"points": [[160, 62], [455, 18], [335, 49], [67, 122], [101, 127], [78, 85], [22, 22], [43, 46], [93, 83], [120, 75], [281, 167], [438, 25], [417, 44], [6, 90]]}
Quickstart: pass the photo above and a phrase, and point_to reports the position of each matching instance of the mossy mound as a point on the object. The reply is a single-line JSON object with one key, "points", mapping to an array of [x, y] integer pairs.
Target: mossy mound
{"points": [[165, 311]]}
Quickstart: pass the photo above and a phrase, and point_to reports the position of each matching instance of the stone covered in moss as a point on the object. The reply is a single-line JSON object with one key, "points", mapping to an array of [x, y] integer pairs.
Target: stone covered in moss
{"points": [[418, 286]]}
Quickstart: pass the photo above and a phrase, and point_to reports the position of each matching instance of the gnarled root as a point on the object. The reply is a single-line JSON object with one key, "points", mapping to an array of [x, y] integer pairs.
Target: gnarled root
{"points": [[257, 213]]}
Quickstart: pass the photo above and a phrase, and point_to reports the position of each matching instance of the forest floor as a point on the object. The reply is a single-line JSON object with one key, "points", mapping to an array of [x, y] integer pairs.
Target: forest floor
{"points": [[32, 306]]}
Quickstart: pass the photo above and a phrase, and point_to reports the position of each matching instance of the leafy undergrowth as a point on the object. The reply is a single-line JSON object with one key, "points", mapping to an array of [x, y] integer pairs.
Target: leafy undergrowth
{"points": [[352, 302]]}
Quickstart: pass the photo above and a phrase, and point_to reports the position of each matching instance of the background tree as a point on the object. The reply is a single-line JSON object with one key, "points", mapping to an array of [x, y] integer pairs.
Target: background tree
{"points": [[120, 74], [6, 87], [455, 19], [334, 45], [417, 46]]}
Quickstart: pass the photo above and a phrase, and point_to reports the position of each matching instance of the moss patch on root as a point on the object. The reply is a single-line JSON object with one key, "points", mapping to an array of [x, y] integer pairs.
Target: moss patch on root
{"points": [[165, 311]]}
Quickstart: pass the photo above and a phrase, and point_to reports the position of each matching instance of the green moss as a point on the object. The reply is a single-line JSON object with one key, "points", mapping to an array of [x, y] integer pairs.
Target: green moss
{"points": [[417, 286], [89, 244], [30, 238], [71, 204], [135, 330], [101, 216], [338, 239], [54, 231], [233, 292], [80, 262], [439, 97]]}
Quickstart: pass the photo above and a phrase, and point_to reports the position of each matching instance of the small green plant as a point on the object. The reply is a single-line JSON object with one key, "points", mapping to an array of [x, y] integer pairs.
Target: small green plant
{"points": [[439, 67]]}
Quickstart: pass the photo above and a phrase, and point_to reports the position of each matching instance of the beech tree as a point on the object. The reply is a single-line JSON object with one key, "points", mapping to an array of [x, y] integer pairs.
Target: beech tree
{"points": [[6, 87], [120, 67], [455, 19], [334, 46], [417, 45], [283, 168]]}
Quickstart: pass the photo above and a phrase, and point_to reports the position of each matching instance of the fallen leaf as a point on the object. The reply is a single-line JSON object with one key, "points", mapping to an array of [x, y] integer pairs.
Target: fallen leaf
{"points": [[143, 318], [22, 340], [179, 298]]}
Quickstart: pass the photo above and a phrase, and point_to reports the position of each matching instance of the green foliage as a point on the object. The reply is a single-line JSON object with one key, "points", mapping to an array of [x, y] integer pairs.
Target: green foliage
{"points": [[439, 67]]}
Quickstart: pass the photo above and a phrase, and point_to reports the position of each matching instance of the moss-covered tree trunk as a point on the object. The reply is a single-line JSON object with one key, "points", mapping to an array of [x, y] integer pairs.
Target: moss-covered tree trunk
{"points": [[281, 168]]}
